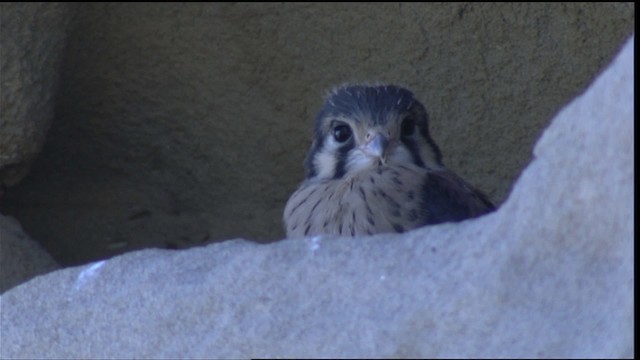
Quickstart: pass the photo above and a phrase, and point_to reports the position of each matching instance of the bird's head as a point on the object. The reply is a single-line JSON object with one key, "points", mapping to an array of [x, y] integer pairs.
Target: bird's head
{"points": [[361, 127]]}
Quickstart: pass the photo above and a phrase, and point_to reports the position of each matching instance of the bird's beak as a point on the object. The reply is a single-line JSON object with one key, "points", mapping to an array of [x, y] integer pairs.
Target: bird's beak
{"points": [[377, 146]]}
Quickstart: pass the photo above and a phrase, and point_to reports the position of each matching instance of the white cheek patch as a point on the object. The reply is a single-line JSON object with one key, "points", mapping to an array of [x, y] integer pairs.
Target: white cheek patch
{"points": [[325, 163], [400, 155]]}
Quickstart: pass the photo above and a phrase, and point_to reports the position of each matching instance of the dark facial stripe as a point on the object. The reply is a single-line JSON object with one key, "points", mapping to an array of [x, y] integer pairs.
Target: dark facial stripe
{"points": [[341, 155], [412, 146], [434, 148]]}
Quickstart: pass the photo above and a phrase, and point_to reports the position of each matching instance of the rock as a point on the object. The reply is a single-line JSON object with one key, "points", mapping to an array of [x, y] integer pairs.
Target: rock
{"points": [[172, 119], [32, 37], [20, 257], [550, 274], [32, 40]]}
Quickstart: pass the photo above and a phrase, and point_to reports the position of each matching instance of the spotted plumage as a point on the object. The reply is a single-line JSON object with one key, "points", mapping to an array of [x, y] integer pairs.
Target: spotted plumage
{"points": [[373, 168]]}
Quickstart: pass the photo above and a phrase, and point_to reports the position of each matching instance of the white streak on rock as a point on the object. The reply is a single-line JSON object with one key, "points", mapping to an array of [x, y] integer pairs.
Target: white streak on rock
{"points": [[88, 273]]}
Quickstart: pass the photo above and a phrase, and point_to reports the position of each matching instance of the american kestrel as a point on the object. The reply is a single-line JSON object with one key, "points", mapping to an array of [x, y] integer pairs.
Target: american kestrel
{"points": [[373, 168]]}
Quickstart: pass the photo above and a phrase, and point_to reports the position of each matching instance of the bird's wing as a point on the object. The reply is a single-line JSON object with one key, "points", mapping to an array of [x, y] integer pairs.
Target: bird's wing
{"points": [[447, 197]]}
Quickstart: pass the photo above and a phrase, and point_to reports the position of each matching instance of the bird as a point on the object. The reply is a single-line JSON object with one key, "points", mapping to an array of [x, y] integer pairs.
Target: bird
{"points": [[373, 168]]}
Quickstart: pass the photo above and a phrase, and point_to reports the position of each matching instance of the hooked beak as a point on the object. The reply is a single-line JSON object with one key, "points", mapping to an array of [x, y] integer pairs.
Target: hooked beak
{"points": [[377, 146]]}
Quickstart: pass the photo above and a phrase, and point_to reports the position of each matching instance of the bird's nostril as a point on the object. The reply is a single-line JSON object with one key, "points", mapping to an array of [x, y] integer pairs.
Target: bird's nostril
{"points": [[377, 145]]}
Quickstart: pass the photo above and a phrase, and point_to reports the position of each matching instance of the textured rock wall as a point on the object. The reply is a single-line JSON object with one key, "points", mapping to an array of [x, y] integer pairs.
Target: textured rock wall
{"points": [[32, 39], [180, 124], [32, 43], [548, 275]]}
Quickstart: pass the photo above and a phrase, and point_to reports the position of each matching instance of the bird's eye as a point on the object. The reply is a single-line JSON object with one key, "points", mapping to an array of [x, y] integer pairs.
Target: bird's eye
{"points": [[341, 132], [408, 127]]}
